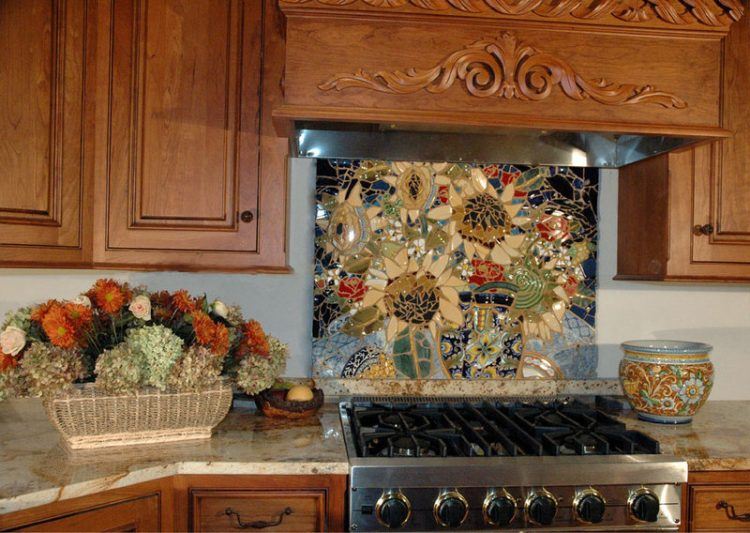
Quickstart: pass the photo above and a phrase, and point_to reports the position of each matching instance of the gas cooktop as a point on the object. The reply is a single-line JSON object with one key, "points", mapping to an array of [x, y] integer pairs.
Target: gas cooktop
{"points": [[491, 429], [488, 464]]}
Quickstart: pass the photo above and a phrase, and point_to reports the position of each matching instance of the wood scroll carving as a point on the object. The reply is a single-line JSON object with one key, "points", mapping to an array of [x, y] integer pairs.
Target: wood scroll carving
{"points": [[681, 12], [504, 68]]}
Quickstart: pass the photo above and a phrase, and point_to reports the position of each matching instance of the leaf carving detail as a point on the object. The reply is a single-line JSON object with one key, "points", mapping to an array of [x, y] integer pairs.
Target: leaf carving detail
{"points": [[680, 12], [504, 68]]}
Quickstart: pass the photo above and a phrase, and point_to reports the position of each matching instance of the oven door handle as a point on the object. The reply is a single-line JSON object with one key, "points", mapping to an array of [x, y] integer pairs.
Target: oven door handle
{"points": [[729, 509], [258, 524]]}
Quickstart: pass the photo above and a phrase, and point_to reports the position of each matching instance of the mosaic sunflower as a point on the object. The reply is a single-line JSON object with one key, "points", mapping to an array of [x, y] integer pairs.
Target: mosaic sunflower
{"points": [[418, 296]]}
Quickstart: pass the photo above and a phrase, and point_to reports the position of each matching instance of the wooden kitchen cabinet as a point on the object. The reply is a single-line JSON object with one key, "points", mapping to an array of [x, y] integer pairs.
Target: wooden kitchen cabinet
{"points": [[166, 116], [684, 215], [198, 503], [43, 192], [718, 501]]}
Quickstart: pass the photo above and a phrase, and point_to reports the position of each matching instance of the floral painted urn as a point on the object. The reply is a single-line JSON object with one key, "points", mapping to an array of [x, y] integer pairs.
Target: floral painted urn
{"points": [[666, 381]]}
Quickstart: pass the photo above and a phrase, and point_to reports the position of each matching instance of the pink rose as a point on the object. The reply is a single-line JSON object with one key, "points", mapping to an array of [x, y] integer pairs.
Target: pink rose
{"points": [[141, 307], [12, 340]]}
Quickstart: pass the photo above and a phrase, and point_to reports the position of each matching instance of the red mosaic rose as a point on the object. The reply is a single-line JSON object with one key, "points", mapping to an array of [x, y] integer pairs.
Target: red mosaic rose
{"points": [[553, 228], [492, 171], [571, 286], [485, 272], [352, 288], [442, 194]]}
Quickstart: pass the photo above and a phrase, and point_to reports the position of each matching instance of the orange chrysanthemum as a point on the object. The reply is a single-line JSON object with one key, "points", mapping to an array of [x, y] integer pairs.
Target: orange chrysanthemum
{"points": [[79, 315], [182, 301], [37, 315], [109, 295], [255, 338], [204, 328], [58, 327], [7, 361], [220, 342]]}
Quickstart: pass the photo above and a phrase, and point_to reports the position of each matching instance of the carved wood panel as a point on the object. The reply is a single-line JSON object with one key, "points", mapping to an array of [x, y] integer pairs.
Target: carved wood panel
{"points": [[41, 112], [711, 13], [434, 71], [183, 145], [503, 67]]}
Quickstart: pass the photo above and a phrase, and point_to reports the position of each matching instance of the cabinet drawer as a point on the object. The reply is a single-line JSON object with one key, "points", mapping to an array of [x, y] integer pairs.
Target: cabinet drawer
{"points": [[278, 510], [704, 514]]}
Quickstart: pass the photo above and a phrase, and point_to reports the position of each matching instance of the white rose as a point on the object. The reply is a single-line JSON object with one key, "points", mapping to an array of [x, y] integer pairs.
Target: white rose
{"points": [[141, 307], [12, 340], [220, 309], [82, 300]]}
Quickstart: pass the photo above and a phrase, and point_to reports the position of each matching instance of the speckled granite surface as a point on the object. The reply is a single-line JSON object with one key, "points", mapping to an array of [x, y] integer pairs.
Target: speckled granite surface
{"points": [[36, 469], [539, 388], [717, 439]]}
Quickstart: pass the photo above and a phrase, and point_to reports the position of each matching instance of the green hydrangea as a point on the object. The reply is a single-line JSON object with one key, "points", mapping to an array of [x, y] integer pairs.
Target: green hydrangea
{"points": [[157, 348], [20, 318], [48, 369], [256, 373], [11, 383], [119, 370], [197, 369]]}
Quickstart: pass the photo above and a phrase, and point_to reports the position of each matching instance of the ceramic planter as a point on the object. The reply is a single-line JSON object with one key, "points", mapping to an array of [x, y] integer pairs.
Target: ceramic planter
{"points": [[666, 381]]}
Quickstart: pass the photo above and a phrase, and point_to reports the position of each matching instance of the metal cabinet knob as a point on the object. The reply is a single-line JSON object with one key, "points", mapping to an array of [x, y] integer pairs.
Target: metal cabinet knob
{"points": [[247, 217], [705, 229]]}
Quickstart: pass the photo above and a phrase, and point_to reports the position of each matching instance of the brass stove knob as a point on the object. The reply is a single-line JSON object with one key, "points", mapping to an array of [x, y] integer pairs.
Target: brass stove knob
{"points": [[589, 506], [541, 508], [499, 508], [393, 509], [450, 509]]}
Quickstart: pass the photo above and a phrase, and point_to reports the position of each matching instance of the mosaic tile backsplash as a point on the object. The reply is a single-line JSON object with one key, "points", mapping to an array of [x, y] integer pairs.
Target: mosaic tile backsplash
{"points": [[454, 271]]}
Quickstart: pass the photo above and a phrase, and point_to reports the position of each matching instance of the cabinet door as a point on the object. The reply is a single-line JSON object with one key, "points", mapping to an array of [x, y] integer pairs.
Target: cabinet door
{"points": [[722, 187], [182, 159], [41, 126], [141, 514]]}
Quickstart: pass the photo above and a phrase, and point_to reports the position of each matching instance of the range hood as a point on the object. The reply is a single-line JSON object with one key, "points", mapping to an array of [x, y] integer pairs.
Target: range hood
{"points": [[585, 83], [518, 146]]}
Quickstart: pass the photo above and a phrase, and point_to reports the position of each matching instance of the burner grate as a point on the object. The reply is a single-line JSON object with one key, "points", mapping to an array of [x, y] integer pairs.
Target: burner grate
{"points": [[490, 429]]}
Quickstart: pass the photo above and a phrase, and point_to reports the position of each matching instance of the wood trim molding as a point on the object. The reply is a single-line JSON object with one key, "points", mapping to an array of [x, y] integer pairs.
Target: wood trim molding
{"points": [[710, 13], [504, 67]]}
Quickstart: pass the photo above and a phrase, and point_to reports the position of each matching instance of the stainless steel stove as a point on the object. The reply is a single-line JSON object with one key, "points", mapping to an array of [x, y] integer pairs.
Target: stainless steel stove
{"points": [[489, 464]]}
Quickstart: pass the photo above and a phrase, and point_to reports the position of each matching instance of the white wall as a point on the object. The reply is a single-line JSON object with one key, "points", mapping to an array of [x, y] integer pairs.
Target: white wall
{"points": [[717, 314]]}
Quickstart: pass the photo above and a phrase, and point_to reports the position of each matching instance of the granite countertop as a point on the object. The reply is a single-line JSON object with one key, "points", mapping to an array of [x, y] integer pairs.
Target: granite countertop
{"points": [[717, 439], [36, 469]]}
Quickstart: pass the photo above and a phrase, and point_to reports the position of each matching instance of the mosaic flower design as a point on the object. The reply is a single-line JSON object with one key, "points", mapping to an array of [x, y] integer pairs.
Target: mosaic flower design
{"points": [[445, 270]]}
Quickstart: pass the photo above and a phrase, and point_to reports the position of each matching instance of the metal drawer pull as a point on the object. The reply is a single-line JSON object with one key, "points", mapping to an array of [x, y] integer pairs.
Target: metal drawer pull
{"points": [[258, 524], [729, 509]]}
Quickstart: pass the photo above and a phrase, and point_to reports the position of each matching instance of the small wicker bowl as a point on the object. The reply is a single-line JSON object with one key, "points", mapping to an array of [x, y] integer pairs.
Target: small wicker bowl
{"points": [[273, 403]]}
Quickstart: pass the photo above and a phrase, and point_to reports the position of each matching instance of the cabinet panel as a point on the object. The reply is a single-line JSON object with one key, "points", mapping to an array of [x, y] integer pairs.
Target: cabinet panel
{"points": [[41, 126], [705, 515], [182, 155], [141, 514], [284, 510]]}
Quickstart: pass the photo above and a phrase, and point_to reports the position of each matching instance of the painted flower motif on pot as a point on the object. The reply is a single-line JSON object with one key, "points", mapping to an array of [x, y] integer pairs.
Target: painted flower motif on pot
{"points": [[666, 387]]}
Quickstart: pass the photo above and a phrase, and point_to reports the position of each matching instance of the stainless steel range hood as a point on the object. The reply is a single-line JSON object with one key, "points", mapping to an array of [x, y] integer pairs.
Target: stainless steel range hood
{"points": [[520, 146]]}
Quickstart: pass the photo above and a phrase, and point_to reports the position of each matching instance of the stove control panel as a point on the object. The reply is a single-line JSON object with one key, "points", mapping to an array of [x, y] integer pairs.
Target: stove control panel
{"points": [[571, 508]]}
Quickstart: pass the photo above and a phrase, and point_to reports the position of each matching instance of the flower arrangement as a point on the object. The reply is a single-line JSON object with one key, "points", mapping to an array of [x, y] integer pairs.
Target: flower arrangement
{"points": [[124, 339]]}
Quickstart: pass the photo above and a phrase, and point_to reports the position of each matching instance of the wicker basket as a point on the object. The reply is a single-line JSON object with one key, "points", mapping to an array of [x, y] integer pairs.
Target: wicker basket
{"points": [[88, 418]]}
